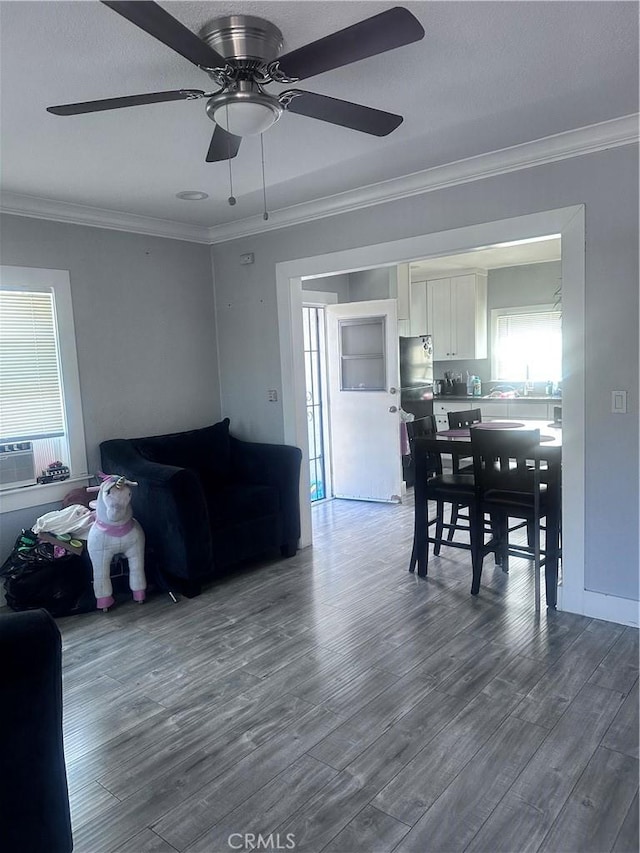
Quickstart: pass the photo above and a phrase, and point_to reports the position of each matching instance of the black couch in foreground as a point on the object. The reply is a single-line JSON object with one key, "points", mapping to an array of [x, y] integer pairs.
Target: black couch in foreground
{"points": [[208, 501], [34, 802]]}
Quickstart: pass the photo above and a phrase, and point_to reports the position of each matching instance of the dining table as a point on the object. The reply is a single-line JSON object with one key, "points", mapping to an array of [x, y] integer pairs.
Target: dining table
{"points": [[457, 443]]}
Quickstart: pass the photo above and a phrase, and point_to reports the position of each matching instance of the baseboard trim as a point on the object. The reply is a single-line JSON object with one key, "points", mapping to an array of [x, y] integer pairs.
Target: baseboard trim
{"points": [[611, 608]]}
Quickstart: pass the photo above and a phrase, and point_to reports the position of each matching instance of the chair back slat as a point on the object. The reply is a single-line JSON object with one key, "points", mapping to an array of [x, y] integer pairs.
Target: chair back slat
{"points": [[500, 459], [461, 420]]}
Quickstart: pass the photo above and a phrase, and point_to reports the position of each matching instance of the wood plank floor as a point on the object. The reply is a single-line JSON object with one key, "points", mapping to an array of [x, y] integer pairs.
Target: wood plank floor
{"points": [[341, 704]]}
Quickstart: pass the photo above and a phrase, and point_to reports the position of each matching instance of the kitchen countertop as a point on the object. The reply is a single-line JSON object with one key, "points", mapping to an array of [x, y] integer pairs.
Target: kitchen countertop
{"points": [[458, 397]]}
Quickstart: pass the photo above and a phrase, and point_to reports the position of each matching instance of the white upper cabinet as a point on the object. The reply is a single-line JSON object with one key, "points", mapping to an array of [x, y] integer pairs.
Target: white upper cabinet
{"points": [[456, 315]]}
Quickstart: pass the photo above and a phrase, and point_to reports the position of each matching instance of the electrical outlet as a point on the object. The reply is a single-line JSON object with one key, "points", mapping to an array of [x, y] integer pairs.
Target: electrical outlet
{"points": [[246, 258], [272, 396], [619, 402]]}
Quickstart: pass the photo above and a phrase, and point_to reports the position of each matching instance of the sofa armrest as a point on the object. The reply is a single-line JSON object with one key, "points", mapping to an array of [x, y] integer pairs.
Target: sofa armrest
{"points": [[276, 465], [34, 806], [170, 505]]}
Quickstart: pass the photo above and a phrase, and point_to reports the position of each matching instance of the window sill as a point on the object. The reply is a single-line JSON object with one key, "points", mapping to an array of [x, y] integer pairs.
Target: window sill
{"points": [[43, 493]]}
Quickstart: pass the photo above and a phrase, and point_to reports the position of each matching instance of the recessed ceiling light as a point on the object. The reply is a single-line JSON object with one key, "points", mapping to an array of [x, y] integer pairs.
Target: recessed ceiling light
{"points": [[192, 195]]}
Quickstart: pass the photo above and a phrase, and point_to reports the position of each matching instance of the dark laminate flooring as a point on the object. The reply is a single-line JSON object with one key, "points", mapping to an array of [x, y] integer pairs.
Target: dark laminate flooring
{"points": [[341, 704]]}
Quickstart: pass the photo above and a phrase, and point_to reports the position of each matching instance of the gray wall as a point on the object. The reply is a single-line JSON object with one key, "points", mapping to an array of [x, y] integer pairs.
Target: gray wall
{"points": [[145, 331], [508, 287], [338, 284], [370, 284], [529, 284], [607, 183]]}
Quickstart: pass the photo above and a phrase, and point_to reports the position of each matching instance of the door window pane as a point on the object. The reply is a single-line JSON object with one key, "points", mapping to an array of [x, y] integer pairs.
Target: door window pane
{"points": [[362, 354]]}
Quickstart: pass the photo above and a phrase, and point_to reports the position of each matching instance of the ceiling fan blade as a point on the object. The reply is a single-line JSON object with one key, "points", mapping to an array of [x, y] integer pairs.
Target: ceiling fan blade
{"points": [[161, 25], [129, 101], [394, 28], [344, 113], [224, 145]]}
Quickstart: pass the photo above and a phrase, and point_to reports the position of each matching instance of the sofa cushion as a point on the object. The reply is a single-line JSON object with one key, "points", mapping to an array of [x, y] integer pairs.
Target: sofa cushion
{"points": [[206, 451], [238, 503]]}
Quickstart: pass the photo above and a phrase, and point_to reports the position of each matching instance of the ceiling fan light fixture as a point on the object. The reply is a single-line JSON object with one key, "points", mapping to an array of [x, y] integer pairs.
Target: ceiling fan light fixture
{"points": [[245, 110]]}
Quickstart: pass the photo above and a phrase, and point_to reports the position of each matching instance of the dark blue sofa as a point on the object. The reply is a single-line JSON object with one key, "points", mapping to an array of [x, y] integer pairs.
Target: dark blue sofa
{"points": [[34, 801], [208, 501]]}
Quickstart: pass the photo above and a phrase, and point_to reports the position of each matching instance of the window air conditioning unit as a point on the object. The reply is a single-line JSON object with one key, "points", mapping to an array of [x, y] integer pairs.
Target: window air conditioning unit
{"points": [[17, 465]]}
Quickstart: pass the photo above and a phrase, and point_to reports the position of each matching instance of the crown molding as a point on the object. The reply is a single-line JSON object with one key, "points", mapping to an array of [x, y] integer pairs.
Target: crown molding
{"points": [[561, 146], [97, 217], [550, 149]]}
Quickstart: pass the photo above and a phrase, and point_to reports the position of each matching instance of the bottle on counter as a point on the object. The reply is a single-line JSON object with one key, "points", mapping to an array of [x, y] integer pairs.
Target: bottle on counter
{"points": [[470, 384], [549, 389], [477, 387]]}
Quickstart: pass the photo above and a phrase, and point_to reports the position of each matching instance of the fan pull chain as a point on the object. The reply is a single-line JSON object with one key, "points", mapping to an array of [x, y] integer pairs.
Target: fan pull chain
{"points": [[265, 215], [232, 198]]}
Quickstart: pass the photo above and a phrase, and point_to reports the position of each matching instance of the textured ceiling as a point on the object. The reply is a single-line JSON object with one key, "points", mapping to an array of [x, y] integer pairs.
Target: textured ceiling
{"points": [[486, 76]]}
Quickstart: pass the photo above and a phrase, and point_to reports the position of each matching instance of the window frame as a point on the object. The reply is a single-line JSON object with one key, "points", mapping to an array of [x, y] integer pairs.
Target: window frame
{"points": [[58, 282], [496, 313]]}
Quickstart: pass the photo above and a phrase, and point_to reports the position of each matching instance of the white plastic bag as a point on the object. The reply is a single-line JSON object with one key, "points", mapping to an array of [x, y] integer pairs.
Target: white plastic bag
{"points": [[75, 520]]}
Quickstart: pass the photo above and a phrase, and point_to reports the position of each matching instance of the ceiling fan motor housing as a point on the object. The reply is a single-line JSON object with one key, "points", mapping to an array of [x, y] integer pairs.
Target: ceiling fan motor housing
{"points": [[243, 37], [248, 43], [243, 109]]}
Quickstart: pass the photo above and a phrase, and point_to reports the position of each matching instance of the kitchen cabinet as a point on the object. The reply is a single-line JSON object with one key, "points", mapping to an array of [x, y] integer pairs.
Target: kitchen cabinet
{"points": [[456, 313], [530, 410], [418, 307], [518, 409], [496, 409], [441, 410]]}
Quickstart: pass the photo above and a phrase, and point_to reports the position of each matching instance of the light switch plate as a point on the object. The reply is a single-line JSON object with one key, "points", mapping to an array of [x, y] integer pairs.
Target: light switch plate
{"points": [[619, 402]]}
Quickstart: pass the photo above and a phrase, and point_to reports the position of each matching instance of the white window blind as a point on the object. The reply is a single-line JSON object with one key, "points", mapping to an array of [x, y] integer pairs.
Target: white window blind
{"points": [[527, 345], [31, 402]]}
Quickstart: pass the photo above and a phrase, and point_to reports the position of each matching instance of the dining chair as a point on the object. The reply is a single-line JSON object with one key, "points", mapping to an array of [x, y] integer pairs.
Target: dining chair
{"points": [[454, 489], [462, 464], [465, 418], [508, 484], [417, 428]]}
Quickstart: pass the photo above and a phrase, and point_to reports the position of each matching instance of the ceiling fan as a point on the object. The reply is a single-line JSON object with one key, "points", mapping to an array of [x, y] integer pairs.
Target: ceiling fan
{"points": [[240, 53]]}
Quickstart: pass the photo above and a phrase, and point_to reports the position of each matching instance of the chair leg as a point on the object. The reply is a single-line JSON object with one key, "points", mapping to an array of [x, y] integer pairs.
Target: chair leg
{"points": [[502, 522], [476, 532], [453, 520], [439, 527], [536, 564], [495, 533], [530, 533], [414, 558]]}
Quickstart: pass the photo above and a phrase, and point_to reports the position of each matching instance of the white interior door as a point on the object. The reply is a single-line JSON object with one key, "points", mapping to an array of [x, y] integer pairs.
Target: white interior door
{"points": [[364, 400]]}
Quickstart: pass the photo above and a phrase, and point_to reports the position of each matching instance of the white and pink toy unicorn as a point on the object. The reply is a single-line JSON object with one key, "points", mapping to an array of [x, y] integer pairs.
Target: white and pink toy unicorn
{"points": [[115, 531]]}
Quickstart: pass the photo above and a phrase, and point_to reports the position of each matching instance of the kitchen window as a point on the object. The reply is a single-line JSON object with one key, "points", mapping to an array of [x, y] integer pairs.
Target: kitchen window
{"points": [[526, 344], [40, 407]]}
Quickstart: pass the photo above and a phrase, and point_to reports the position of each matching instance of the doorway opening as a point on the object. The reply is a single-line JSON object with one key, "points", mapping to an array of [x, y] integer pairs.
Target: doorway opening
{"points": [[569, 223]]}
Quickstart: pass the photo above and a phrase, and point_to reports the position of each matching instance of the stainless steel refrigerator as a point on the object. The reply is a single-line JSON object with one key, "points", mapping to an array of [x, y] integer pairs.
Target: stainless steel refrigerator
{"points": [[416, 375]]}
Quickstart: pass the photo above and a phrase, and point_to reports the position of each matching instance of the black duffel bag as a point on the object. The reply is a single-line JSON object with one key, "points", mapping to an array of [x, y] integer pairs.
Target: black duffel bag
{"points": [[34, 578]]}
